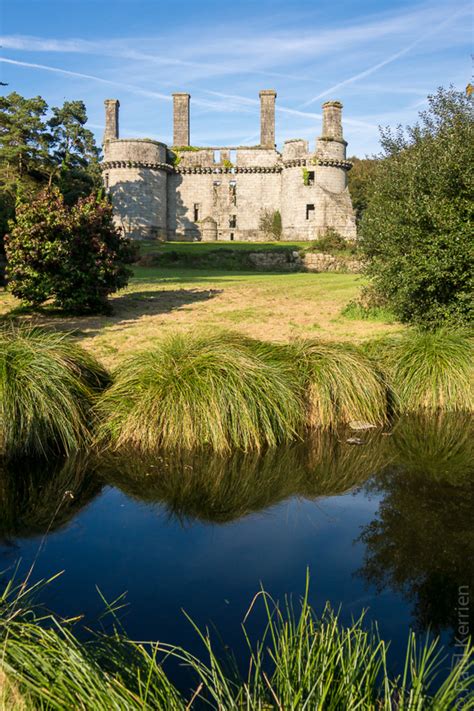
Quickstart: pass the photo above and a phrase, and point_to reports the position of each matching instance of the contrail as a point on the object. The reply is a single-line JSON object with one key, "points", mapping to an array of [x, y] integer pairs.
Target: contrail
{"points": [[57, 70], [390, 59]]}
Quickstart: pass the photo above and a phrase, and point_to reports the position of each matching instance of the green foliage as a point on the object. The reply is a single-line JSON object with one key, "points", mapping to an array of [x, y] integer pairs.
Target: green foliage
{"points": [[221, 391], [35, 152], [305, 172], [360, 182], [24, 141], [300, 661], [270, 224], [47, 388], [428, 371], [331, 241], [227, 163], [76, 256], [74, 151], [416, 231], [174, 155]]}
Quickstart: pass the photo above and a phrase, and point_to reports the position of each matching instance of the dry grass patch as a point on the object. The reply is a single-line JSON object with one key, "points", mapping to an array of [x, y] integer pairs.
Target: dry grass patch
{"points": [[275, 307]]}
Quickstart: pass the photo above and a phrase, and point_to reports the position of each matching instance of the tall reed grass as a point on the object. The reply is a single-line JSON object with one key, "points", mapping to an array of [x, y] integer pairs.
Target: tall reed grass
{"points": [[301, 662], [47, 388], [428, 371], [341, 383], [222, 391]]}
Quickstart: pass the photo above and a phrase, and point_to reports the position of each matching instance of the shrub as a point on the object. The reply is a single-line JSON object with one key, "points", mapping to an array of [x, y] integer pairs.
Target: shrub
{"points": [[220, 391], [74, 256], [342, 384], [428, 371], [270, 224], [47, 388], [331, 241], [416, 231]]}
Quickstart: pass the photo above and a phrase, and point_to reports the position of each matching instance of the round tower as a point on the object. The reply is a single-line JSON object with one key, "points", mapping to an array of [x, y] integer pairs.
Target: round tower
{"points": [[331, 166], [135, 175]]}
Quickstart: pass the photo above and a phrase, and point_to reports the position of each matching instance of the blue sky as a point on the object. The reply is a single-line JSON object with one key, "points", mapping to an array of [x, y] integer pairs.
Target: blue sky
{"points": [[379, 58]]}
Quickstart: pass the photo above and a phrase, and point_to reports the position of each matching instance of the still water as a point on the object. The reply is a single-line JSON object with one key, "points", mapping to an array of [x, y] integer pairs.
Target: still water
{"points": [[384, 526]]}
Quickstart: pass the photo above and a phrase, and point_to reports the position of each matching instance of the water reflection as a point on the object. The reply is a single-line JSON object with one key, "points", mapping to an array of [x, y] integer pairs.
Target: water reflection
{"points": [[38, 498], [410, 516], [220, 490], [421, 544]]}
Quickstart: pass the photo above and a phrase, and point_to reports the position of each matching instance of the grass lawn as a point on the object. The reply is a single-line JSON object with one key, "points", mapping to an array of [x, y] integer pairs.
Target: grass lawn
{"points": [[277, 307]]}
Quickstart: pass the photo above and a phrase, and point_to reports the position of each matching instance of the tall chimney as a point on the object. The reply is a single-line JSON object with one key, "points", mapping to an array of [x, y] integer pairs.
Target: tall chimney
{"points": [[111, 119], [267, 118], [181, 119], [332, 120]]}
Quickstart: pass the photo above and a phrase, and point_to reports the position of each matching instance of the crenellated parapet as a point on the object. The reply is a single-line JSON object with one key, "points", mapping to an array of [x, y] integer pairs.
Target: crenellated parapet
{"points": [[115, 164], [312, 161], [222, 170]]}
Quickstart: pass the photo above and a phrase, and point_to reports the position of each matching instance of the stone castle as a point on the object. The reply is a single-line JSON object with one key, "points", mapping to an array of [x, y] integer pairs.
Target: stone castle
{"points": [[228, 193]]}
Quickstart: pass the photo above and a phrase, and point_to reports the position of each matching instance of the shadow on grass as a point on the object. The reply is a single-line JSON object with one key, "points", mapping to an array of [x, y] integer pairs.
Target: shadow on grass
{"points": [[126, 309]]}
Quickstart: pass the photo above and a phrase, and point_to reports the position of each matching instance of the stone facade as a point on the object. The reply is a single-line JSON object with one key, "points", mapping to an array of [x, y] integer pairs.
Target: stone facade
{"points": [[183, 192]]}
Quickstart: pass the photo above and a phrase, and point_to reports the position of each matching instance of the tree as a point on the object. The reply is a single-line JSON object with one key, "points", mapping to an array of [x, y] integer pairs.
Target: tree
{"points": [[73, 255], [74, 151], [361, 178], [24, 140], [416, 230], [24, 157]]}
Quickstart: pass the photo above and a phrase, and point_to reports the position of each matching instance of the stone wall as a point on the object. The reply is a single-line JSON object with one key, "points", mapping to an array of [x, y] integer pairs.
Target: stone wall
{"points": [[305, 262]]}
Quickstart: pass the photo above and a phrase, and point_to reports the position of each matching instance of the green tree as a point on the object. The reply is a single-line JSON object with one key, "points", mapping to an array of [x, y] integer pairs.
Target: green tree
{"points": [[360, 180], [24, 157], [74, 151], [73, 255], [416, 230], [24, 140]]}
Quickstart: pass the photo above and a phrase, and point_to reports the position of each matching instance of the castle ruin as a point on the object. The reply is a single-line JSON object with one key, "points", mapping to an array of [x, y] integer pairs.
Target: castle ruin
{"points": [[184, 192]]}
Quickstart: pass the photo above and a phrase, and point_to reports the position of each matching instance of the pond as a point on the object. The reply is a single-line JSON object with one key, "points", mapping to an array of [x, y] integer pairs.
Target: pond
{"points": [[384, 526]]}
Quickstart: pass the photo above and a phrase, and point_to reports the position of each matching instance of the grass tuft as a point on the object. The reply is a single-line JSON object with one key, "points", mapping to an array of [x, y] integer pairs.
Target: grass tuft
{"points": [[221, 391], [428, 371], [47, 388], [342, 385], [301, 661]]}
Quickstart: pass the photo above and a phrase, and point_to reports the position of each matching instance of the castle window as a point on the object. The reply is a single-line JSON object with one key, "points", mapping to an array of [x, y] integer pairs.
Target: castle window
{"points": [[233, 221], [197, 208], [217, 183], [309, 212], [106, 181], [231, 236], [308, 177]]}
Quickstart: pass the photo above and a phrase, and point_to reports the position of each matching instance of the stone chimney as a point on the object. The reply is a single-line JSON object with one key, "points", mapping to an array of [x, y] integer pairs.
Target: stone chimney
{"points": [[181, 119], [111, 119], [267, 118], [332, 120]]}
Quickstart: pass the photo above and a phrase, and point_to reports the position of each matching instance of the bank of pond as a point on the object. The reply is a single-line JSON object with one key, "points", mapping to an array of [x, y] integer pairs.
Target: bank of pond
{"points": [[219, 392]]}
